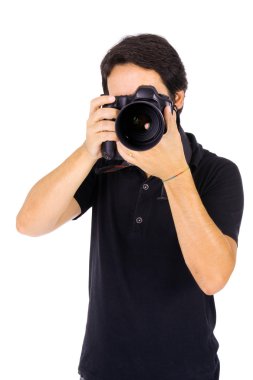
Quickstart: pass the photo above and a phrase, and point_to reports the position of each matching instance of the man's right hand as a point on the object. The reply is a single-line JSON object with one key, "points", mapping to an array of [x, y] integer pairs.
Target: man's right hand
{"points": [[100, 125], [51, 202]]}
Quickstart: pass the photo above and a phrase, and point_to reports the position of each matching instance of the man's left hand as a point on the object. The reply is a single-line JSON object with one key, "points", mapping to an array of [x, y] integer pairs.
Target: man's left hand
{"points": [[166, 158]]}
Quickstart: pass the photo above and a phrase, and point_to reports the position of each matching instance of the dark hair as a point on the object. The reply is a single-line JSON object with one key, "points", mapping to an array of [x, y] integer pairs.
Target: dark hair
{"points": [[151, 52]]}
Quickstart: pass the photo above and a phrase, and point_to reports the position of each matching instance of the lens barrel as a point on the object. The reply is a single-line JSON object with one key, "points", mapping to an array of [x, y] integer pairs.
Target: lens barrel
{"points": [[140, 125]]}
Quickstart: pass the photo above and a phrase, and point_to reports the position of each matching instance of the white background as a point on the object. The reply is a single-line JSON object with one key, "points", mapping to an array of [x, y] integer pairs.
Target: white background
{"points": [[50, 56]]}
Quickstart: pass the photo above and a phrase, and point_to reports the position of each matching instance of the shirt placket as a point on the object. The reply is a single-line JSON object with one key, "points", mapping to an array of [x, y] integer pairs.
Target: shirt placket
{"points": [[143, 204]]}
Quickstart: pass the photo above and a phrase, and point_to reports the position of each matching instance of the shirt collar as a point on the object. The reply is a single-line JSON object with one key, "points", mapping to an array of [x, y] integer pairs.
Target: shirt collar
{"points": [[197, 150]]}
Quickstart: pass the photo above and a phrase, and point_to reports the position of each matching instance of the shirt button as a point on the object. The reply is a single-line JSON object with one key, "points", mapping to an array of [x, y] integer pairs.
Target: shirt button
{"points": [[145, 186], [139, 220]]}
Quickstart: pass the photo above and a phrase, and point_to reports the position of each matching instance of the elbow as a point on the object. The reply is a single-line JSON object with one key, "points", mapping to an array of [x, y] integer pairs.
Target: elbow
{"points": [[24, 227], [213, 282], [20, 226], [210, 288]]}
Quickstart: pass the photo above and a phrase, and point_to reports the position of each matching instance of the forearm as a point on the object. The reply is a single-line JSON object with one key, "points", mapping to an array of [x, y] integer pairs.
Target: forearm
{"points": [[50, 196], [204, 247]]}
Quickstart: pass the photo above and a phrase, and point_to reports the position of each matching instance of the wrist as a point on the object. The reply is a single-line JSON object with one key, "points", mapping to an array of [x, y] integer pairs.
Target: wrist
{"points": [[180, 172], [88, 155]]}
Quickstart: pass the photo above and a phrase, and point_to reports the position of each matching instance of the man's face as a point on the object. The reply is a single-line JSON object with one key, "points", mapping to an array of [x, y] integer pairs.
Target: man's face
{"points": [[126, 78]]}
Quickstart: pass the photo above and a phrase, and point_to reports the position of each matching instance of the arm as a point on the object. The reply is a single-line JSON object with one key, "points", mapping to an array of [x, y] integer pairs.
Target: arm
{"points": [[50, 202], [209, 254]]}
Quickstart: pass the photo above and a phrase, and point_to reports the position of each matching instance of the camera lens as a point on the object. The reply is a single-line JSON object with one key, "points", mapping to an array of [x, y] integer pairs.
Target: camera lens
{"points": [[140, 125]]}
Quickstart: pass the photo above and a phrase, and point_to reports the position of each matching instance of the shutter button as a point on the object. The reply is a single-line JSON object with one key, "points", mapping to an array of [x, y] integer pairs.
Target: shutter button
{"points": [[139, 220], [145, 186]]}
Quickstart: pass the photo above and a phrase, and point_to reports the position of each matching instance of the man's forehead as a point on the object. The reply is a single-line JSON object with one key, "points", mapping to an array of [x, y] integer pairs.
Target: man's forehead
{"points": [[124, 79]]}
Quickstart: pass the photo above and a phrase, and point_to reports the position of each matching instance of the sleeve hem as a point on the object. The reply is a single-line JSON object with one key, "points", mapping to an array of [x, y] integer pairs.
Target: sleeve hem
{"points": [[230, 234]]}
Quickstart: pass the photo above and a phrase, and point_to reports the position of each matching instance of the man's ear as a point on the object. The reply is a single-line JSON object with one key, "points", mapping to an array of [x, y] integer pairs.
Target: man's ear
{"points": [[179, 99]]}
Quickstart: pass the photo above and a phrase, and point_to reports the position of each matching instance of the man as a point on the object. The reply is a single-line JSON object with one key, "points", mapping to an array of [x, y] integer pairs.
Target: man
{"points": [[164, 230]]}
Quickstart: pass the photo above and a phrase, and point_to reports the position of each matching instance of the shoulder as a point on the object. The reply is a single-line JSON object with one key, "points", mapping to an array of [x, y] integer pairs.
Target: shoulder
{"points": [[216, 170], [204, 161], [213, 164]]}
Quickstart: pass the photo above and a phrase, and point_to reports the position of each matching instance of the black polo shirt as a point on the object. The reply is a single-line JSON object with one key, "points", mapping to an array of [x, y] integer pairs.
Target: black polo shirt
{"points": [[147, 317]]}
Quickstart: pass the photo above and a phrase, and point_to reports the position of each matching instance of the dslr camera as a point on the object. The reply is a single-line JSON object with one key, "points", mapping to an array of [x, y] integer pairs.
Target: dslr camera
{"points": [[140, 124]]}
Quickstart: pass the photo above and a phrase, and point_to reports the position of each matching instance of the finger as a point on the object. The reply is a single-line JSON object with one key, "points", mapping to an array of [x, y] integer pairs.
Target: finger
{"points": [[127, 154], [170, 119], [105, 113], [96, 103], [107, 136], [105, 126], [122, 152]]}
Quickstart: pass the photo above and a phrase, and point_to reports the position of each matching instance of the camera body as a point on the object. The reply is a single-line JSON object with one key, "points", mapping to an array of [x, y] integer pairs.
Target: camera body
{"points": [[140, 124]]}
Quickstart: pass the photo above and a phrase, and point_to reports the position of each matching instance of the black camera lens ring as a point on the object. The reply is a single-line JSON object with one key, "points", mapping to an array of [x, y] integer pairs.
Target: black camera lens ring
{"points": [[140, 140]]}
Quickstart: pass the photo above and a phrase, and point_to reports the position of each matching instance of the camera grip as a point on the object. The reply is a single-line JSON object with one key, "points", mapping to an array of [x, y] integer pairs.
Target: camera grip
{"points": [[108, 149]]}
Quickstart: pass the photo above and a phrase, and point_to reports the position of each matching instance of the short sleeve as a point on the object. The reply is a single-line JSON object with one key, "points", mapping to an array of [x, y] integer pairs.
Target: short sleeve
{"points": [[85, 195], [224, 199]]}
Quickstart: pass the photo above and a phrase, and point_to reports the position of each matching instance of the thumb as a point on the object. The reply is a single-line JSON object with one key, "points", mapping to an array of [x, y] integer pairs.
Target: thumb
{"points": [[170, 119]]}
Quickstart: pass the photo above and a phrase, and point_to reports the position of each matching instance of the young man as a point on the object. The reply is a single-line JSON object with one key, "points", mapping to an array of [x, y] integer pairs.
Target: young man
{"points": [[164, 230]]}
